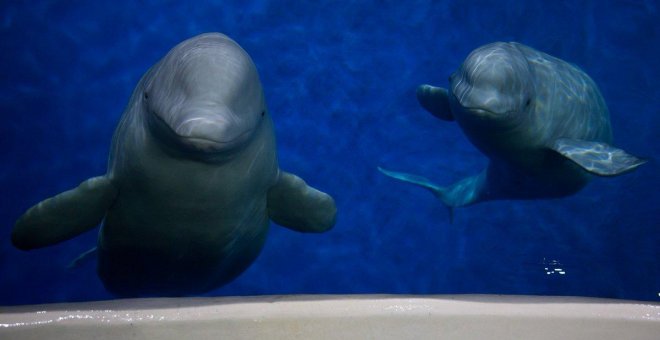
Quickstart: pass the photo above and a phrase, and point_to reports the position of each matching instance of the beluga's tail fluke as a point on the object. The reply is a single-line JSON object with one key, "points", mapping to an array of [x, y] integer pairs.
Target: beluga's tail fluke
{"points": [[464, 192]]}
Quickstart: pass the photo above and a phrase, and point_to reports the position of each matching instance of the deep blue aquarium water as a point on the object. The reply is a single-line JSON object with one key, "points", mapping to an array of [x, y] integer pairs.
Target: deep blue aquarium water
{"points": [[340, 80]]}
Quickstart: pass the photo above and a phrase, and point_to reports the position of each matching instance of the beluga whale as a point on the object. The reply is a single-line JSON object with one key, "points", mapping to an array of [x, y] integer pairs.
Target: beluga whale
{"points": [[192, 180], [541, 121]]}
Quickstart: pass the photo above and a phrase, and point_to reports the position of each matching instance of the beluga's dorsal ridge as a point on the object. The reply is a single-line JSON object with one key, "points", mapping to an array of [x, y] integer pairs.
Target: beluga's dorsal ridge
{"points": [[541, 121], [192, 180]]}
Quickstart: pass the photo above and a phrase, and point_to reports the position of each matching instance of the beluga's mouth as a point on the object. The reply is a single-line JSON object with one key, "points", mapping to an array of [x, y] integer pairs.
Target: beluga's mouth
{"points": [[479, 110], [486, 113], [211, 133], [203, 143], [201, 135]]}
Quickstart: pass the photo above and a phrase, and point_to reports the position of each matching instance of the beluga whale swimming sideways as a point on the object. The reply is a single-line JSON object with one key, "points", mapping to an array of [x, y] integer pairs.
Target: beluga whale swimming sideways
{"points": [[192, 180], [542, 123]]}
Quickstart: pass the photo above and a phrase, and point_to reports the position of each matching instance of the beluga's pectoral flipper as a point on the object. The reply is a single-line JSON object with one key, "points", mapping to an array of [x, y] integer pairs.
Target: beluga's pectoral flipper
{"points": [[435, 100], [64, 216], [295, 205], [598, 158]]}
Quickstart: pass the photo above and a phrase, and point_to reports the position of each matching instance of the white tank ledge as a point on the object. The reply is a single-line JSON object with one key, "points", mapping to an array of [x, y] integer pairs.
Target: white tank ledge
{"points": [[337, 317]]}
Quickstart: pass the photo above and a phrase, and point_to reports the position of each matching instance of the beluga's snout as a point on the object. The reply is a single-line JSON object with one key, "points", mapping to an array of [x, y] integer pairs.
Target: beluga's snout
{"points": [[211, 129]]}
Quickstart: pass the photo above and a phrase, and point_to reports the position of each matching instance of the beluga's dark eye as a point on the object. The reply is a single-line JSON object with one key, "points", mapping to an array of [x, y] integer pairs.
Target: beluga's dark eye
{"points": [[263, 113], [528, 102], [145, 95]]}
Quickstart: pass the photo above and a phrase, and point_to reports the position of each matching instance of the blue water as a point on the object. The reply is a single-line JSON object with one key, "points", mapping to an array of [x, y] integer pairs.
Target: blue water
{"points": [[339, 78]]}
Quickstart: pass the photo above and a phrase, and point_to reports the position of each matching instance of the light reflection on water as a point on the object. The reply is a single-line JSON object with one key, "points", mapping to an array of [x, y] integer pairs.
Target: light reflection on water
{"points": [[553, 267]]}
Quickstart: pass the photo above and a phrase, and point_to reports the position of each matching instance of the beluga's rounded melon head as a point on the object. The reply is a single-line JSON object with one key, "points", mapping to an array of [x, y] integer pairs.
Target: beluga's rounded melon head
{"points": [[494, 84], [204, 96]]}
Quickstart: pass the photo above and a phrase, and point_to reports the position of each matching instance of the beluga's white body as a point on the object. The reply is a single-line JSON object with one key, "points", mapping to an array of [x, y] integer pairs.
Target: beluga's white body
{"points": [[542, 122], [192, 180]]}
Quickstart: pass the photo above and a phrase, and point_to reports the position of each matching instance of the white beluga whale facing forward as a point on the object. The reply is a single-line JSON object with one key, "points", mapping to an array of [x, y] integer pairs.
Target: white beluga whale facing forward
{"points": [[541, 121], [192, 180]]}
